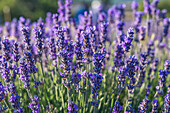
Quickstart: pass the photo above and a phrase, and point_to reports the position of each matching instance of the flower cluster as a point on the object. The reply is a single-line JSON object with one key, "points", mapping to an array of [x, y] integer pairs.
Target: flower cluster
{"points": [[167, 101], [6, 49], [128, 40], [39, 35], [6, 72], [155, 106], [131, 67], [72, 107], [34, 105], [98, 60], [119, 53], [3, 93], [24, 74], [117, 108], [96, 81], [76, 78], [14, 98], [16, 54], [142, 67], [163, 75], [26, 34], [88, 52], [78, 50], [142, 108]]}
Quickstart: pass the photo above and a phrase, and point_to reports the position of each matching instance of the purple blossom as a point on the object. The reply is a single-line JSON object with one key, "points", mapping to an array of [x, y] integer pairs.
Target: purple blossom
{"points": [[3, 92], [39, 36], [60, 38], [66, 61], [2, 108], [30, 62], [53, 53], [76, 78], [96, 81], [143, 61], [34, 105], [121, 77], [68, 10], [61, 10], [134, 5], [128, 40], [98, 61], [66, 83], [6, 72], [131, 67], [142, 108], [117, 108], [167, 101], [167, 66], [6, 49], [142, 32], [24, 74], [166, 24], [26, 34], [155, 106], [14, 98], [119, 53], [15, 72], [16, 54], [103, 33], [72, 107], [88, 52], [78, 50], [163, 75], [130, 109], [56, 22]]}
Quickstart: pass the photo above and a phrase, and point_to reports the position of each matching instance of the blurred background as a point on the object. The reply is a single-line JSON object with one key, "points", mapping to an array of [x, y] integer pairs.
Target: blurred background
{"points": [[34, 9]]}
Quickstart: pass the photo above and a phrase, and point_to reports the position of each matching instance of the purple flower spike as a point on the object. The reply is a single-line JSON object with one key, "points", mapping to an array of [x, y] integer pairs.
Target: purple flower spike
{"points": [[6, 72], [131, 67], [142, 32], [98, 61], [166, 24], [155, 106], [14, 98], [2, 108], [96, 81], [118, 60], [130, 109], [34, 105], [167, 101], [3, 92], [134, 5], [117, 108], [76, 78], [26, 33], [142, 108], [163, 75], [16, 54], [6, 49], [72, 107], [167, 66], [128, 40], [24, 74]]}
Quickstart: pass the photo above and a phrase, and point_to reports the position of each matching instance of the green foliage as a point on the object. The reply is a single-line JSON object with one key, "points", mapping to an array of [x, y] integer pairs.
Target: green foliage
{"points": [[32, 9]]}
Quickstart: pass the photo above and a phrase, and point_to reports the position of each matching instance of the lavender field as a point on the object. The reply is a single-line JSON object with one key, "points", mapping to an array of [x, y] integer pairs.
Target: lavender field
{"points": [[96, 64]]}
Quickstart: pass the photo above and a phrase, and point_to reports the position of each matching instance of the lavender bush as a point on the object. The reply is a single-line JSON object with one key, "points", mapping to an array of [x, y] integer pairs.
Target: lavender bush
{"points": [[58, 65]]}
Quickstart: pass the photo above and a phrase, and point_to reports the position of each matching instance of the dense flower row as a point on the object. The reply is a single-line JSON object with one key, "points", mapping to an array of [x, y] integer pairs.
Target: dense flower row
{"points": [[60, 65]]}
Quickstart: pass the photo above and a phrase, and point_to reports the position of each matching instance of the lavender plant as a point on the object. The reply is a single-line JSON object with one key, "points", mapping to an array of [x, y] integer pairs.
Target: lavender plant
{"points": [[62, 64]]}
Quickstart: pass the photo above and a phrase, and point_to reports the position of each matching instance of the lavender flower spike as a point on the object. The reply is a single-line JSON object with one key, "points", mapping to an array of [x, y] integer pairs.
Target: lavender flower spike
{"points": [[34, 105]]}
